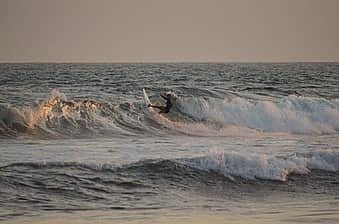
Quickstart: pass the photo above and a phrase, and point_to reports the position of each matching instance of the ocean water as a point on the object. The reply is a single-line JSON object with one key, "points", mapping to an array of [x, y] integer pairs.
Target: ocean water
{"points": [[243, 143]]}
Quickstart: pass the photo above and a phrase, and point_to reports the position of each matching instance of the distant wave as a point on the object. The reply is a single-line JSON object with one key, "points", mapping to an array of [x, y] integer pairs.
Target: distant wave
{"points": [[58, 117], [228, 164], [253, 166], [157, 184]]}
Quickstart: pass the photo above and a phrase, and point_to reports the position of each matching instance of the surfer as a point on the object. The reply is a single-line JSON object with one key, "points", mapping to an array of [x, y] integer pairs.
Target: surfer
{"points": [[164, 109]]}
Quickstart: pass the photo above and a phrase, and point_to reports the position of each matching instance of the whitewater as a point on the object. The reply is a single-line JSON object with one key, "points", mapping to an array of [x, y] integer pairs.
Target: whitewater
{"points": [[242, 141]]}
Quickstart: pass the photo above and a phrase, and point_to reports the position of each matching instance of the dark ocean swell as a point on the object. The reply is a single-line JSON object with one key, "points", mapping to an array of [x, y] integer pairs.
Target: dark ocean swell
{"points": [[28, 187]]}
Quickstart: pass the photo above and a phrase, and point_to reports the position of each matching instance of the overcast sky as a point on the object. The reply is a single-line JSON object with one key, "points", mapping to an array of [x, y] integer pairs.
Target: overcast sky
{"points": [[168, 30]]}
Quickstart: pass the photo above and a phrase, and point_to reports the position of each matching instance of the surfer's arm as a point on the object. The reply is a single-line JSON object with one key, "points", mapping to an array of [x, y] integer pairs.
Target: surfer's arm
{"points": [[164, 97], [150, 105]]}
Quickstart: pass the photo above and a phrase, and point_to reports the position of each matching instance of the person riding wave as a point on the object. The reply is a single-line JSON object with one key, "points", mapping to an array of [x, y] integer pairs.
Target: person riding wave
{"points": [[164, 109]]}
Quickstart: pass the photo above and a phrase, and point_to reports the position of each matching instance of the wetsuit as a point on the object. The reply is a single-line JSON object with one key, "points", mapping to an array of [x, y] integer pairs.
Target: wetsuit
{"points": [[164, 109]]}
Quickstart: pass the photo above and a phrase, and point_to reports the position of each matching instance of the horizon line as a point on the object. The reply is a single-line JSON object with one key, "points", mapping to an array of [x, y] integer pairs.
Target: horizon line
{"points": [[167, 62]]}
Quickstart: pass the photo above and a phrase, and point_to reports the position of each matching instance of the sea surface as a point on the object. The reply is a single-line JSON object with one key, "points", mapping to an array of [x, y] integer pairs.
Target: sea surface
{"points": [[243, 143]]}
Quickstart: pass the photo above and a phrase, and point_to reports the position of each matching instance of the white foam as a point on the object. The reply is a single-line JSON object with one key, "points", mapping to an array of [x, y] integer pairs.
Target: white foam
{"points": [[206, 129], [325, 160], [294, 114], [57, 118], [254, 166]]}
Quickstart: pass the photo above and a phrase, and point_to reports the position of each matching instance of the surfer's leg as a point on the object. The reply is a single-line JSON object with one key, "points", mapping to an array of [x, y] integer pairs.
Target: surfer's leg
{"points": [[163, 110], [159, 107]]}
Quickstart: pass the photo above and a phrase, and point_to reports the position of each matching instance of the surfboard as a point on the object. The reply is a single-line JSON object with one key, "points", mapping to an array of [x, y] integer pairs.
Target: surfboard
{"points": [[146, 98]]}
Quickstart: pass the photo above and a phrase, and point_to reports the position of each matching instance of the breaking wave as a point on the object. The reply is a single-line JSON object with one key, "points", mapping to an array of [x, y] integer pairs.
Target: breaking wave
{"points": [[60, 117], [253, 166], [292, 114], [228, 164]]}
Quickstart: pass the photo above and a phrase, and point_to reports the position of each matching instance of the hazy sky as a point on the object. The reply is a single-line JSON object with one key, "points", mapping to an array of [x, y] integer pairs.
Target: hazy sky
{"points": [[168, 30]]}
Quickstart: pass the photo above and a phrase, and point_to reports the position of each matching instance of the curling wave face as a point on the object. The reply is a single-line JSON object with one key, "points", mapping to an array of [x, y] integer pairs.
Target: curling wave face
{"points": [[59, 117]]}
